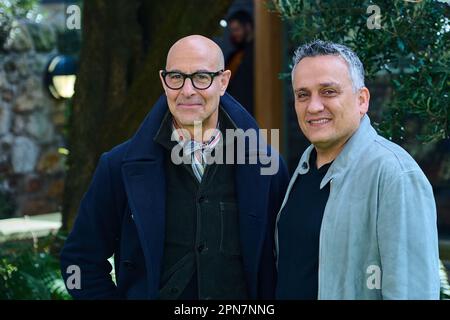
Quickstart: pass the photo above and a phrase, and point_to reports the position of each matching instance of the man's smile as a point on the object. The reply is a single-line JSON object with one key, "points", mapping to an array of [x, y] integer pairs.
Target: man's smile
{"points": [[318, 122]]}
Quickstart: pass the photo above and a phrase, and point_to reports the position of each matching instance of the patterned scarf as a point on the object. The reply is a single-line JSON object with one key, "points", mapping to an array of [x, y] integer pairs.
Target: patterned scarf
{"points": [[199, 151]]}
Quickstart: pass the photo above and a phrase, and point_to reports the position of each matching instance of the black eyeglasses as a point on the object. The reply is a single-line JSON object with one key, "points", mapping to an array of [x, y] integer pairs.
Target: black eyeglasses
{"points": [[200, 80]]}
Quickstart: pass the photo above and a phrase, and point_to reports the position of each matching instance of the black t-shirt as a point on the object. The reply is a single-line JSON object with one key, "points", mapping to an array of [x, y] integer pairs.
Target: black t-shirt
{"points": [[298, 235]]}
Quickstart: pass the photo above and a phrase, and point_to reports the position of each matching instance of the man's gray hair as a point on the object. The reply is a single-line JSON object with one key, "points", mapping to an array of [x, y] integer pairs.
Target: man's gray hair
{"points": [[324, 48]]}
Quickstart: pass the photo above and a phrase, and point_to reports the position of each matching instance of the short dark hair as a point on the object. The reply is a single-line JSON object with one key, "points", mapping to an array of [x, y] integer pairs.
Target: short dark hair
{"points": [[323, 48], [242, 16]]}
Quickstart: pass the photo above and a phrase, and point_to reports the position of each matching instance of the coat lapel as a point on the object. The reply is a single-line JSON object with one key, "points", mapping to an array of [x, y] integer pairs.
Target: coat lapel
{"points": [[144, 179], [145, 187]]}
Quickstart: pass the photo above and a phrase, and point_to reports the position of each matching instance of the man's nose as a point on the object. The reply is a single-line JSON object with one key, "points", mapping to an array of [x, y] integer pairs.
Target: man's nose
{"points": [[315, 104], [188, 88]]}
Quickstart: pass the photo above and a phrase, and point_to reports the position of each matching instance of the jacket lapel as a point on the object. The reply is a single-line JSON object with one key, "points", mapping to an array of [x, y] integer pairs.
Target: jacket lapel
{"points": [[145, 187], [144, 179]]}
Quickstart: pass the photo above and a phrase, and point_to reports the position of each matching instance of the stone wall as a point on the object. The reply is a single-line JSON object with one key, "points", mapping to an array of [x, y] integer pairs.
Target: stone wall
{"points": [[31, 124]]}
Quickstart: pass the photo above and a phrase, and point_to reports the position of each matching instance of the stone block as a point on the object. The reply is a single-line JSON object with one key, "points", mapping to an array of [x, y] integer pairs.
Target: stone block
{"points": [[51, 162], [24, 155], [36, 206], [25, 103], [38, 125], [33, 184], [3, 82], [5, 119], [7, 94], [56, 189], [19, 124]]}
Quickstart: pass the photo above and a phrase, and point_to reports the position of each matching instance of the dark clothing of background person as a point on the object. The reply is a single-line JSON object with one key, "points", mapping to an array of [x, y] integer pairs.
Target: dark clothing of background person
{"points": [[241, 64]]}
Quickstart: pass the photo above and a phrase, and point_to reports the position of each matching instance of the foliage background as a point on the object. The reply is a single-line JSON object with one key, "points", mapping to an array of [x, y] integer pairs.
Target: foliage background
{"points": [[29, 270], [11, 10], [410, 50]]}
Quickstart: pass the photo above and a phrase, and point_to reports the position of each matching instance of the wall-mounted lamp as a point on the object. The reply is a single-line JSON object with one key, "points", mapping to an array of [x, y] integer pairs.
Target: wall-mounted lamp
{"points": [[60, 76]]}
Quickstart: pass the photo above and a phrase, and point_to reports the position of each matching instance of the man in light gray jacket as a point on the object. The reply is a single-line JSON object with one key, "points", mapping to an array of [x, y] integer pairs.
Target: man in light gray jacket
{"points": [[359, 218]]}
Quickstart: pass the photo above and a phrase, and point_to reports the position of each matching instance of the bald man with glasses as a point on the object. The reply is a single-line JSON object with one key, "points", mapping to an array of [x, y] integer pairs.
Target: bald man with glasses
{"points": [[189, 230]]}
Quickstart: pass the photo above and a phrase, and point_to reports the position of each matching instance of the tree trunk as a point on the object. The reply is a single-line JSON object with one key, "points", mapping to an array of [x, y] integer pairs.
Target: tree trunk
{"points": [[124, 46]]}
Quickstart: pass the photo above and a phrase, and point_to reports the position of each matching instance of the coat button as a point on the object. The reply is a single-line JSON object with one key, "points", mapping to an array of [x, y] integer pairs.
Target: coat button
{"points": [[201, 199], [174, 290], [201, 248]]}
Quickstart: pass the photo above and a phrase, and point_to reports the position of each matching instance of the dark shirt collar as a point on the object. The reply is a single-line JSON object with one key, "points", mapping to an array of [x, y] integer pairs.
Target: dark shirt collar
{"points": [[313, 166]]}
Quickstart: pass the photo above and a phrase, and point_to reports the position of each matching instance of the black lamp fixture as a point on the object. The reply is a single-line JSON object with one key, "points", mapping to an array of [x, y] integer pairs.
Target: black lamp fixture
{"points": [[60, 76]]}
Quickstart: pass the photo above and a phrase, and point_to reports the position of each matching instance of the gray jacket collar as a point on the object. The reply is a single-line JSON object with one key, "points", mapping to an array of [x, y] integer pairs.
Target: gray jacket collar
{"points": [[352, 150]]}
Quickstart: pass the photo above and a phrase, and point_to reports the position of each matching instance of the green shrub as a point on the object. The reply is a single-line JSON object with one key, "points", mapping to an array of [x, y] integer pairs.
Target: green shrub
{"points": [[31, 271], [11, 10], [445, 287]]}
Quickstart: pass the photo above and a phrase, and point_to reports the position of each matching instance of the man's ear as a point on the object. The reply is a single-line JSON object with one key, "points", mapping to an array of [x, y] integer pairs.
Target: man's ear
{"points": [[224, 81], [363, 100]]}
